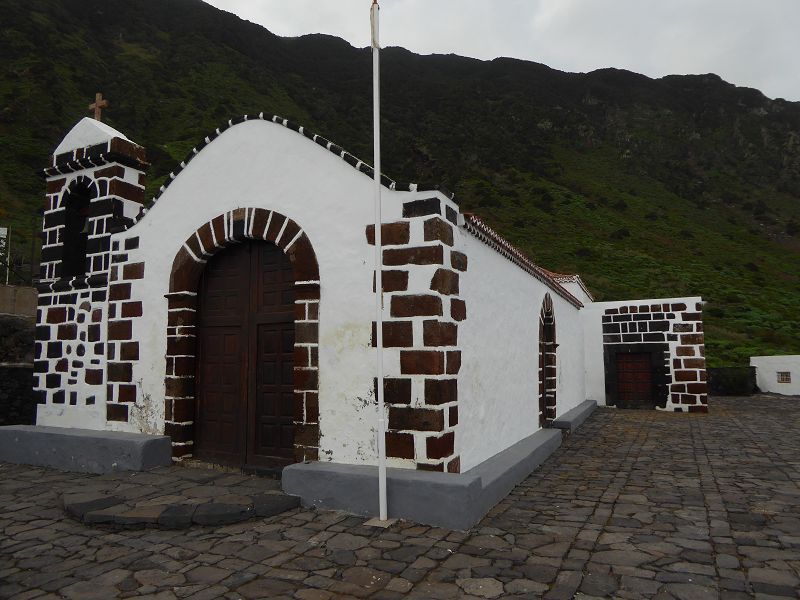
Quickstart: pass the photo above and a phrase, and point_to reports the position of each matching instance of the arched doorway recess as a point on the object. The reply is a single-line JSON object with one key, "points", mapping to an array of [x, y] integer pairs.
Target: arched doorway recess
{"points": [[547, 363], [272, 334]]}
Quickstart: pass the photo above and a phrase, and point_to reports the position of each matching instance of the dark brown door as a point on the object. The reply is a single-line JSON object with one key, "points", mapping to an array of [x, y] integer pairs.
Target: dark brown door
{"points": [[245, 358], [635, 380], [271, 380]]}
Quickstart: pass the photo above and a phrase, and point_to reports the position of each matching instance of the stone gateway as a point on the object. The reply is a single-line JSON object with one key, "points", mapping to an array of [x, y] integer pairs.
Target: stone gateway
{"points": [[234, 315]]}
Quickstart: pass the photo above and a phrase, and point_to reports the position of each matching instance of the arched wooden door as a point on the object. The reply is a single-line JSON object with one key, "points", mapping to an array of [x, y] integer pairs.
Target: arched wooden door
{"points": [[245, 361]]}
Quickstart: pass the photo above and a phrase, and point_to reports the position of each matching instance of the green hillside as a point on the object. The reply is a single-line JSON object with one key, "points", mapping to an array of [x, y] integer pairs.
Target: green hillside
{"points": [[648, 188]]}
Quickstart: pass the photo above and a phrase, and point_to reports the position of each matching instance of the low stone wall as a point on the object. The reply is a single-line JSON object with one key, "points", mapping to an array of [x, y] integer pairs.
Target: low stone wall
{"points": [[16, 339], [732, 381], [18, 300], [17, 399], [83, 450], [451, 500]]}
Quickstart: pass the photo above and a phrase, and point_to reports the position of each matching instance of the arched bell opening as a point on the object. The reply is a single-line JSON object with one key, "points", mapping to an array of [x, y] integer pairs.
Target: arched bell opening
{"points": [[76, 202]]}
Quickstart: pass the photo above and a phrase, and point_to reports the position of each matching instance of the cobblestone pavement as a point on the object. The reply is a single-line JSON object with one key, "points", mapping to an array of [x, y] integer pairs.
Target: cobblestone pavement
{"points": [[634, 505], [174, 498]]}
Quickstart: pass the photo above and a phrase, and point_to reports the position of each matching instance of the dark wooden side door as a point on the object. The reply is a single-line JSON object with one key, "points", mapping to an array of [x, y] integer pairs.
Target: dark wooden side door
{"points": [[635, 380], [245, 358], [271, 407]]}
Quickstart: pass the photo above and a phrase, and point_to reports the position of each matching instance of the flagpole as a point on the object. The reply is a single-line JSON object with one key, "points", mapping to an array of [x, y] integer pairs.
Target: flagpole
{"points": [[8, 253], [382, 509]]}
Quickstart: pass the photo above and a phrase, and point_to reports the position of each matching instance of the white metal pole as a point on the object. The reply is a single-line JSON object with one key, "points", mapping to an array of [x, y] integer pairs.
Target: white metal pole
{"points": [[383, 512], [8, 254]]}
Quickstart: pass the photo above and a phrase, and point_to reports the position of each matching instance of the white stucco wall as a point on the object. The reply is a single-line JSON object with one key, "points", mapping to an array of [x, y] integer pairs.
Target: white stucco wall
{"points": [[265, 165], [594, 368], [577, 290], [767, 368], [498, 386]]}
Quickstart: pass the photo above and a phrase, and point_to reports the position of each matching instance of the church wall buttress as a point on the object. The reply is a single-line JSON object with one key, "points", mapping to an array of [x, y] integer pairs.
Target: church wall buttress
{"points": [[422, 312]]}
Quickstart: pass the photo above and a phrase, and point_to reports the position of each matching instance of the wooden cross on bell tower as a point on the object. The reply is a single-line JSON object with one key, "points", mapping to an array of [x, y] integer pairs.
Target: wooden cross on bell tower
{"points": [[98, 105]]}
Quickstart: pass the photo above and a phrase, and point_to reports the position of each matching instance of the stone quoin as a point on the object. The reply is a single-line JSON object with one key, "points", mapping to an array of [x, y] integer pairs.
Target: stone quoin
{"points": [[234, 314]]}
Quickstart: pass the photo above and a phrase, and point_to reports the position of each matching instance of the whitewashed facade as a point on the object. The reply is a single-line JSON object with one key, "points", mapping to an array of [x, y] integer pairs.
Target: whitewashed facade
{"points": [[483, 347]]}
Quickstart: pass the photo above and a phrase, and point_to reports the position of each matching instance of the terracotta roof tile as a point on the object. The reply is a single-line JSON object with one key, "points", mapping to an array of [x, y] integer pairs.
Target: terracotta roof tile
{"points": [[490, 237]]}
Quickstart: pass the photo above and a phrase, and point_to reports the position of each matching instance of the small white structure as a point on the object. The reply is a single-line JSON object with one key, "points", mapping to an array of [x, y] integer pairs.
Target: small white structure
{"points": [[235, 313], [644, 350], [777, 374]]}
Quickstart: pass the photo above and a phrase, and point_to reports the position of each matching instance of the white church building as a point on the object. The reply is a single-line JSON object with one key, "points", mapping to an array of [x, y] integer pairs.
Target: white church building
{"points": [[235, 315]]}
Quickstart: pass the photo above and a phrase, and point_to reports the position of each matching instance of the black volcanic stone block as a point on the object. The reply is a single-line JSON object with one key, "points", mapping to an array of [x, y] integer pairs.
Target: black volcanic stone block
{"points": [[268, 505], [77, 505], [420, 208], [177, 516]]}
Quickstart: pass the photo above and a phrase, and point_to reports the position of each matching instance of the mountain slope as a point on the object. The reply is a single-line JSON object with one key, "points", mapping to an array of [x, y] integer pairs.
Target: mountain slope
{"points": [[681, 185]]}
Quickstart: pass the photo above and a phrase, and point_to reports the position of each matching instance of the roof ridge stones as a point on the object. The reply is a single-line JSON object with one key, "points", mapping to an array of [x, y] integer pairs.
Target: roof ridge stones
{"points": [[332, 147], [116, 149]]}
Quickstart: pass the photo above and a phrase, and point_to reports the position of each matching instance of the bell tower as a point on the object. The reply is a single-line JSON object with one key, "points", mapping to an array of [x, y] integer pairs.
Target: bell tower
{"points": [[95, 188]]}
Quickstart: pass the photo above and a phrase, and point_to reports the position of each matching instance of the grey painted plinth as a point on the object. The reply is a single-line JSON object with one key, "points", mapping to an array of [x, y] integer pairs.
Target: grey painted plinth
{"points": [[452, 500], [572, 419], [83, 450]]}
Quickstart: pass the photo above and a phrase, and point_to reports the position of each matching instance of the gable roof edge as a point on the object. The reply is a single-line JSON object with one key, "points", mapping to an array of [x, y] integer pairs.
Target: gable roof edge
{"points": [[474, 225], [571, 278], [332, 147]]}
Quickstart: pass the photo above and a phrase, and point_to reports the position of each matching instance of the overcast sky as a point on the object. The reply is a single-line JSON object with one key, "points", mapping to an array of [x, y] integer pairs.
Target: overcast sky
{"points": [[753, 43]]}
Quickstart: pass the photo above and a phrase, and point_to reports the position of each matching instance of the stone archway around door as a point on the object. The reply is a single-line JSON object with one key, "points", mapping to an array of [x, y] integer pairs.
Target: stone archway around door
{"points": [[547, 363], [236, 227]]}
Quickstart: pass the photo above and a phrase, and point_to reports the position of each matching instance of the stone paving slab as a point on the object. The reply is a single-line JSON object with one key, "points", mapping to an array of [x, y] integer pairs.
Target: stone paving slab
{"points": [[635, 504], [175, 497]]}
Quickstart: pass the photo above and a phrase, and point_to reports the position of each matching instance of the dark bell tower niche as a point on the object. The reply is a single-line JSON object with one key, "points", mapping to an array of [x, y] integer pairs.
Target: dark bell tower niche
{"points": [[77, 202]]}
